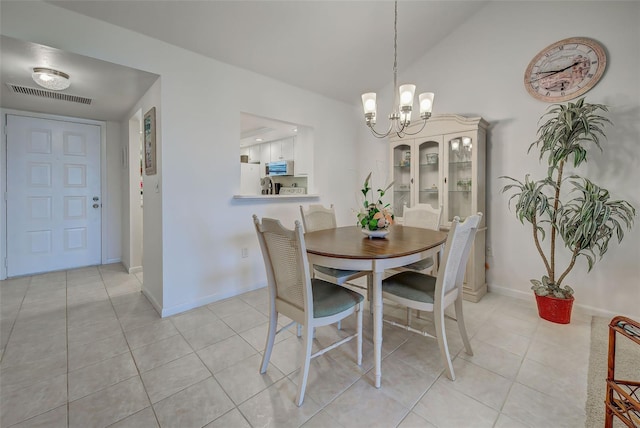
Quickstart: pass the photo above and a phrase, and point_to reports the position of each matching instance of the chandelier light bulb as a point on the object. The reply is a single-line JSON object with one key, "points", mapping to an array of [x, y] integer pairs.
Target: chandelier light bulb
{"points": [[369, 102], [426, 102], [370, 106], [406, 95]]}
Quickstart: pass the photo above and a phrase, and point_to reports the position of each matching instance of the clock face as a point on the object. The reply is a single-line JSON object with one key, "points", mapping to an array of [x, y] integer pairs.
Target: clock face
{"points": [[565, 70]]}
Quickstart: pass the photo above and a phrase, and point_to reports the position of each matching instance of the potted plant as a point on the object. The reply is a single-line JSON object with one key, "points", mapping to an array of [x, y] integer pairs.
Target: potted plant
{"points": [[375, 217], [583, 216]]}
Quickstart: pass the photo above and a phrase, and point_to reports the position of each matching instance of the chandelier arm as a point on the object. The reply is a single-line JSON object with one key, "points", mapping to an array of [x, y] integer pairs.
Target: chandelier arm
{"points": [[381, 135], [424, 123]]}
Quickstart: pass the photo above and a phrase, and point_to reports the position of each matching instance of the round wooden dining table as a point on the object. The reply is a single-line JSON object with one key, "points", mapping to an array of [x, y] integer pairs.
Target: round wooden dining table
{"points": [[349, 248]]}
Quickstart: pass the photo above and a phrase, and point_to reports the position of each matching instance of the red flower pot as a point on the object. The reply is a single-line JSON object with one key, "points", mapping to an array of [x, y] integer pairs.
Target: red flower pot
{"points": [[554, 309]]}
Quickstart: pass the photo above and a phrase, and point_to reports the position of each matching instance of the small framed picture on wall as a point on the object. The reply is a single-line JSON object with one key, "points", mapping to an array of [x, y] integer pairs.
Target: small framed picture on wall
{"points": [[149, 128]]}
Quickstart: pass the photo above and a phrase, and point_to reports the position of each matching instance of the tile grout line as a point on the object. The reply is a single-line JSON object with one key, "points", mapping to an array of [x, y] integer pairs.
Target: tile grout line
{"points": [[66, 319], [130, 354], [4, 351], [484, 322], [213, 376]]}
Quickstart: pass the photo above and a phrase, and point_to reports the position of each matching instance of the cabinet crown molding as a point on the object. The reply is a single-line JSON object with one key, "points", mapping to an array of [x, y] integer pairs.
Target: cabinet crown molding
{"points": [[446, 124]]}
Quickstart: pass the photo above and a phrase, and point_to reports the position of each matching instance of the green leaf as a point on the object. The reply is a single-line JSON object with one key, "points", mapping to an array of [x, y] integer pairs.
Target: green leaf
{"points": [[585, 218]]}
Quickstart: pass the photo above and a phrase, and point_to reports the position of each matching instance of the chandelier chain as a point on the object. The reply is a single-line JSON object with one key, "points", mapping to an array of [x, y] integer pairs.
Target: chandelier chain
{"points": [[395, 53]]}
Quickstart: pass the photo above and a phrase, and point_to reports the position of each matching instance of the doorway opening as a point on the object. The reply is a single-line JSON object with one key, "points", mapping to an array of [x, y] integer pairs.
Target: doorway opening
{"points": [[134, 200]]}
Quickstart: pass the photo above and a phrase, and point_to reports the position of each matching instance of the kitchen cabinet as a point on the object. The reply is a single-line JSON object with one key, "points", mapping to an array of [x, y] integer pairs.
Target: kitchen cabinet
{"points": [[265, 157], [444, 165], [276, 150], [252, 152], [282, 149]]}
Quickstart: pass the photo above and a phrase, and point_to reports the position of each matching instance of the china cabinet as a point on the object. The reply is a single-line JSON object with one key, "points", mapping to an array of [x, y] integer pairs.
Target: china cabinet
{"points": [[444, 165]]}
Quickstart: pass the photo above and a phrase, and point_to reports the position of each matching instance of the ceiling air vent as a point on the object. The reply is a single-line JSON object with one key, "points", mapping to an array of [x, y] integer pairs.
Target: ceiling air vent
{"points": [[48, 94]]}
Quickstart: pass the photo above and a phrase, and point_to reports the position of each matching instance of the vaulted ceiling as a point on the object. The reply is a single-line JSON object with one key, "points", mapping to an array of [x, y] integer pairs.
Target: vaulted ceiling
{"points": [[335, 48]]}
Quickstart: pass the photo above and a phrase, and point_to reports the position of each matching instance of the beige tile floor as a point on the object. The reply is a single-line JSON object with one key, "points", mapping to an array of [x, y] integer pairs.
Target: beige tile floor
{"points": [[84, 348]]}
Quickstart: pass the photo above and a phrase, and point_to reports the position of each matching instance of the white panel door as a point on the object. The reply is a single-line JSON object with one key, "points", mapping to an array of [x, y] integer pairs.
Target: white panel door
{"points": [[53, 195]]}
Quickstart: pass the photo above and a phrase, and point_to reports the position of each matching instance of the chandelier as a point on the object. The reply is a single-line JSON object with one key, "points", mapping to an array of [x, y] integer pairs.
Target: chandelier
{"points": [[400, 117]]}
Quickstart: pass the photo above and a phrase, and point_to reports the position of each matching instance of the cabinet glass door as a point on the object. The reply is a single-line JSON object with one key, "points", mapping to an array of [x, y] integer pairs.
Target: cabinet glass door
{"points": [[428, 186], [401, 177], [459, 181]]}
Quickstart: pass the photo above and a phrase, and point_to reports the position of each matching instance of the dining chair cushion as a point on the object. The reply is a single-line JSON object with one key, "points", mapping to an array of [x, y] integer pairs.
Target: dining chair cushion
{"points": [[330, 299], [411, 285], [337, 273]]}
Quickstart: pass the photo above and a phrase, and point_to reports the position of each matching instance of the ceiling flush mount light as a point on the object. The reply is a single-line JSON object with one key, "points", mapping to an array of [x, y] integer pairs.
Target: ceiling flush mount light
{"points": [[400, 118], [50, 78]]}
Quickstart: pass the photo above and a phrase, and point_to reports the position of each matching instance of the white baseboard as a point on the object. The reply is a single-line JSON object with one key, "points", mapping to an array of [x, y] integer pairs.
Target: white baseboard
{"points": [[153, 301], [166, 312], [522, 295], [134, 269], [585, 309]]}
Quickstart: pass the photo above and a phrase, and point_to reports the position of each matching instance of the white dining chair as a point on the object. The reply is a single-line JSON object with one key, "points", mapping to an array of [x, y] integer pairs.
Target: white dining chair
{"points": [[294, 294], [429, 293], [317, 217], [427, 217]]}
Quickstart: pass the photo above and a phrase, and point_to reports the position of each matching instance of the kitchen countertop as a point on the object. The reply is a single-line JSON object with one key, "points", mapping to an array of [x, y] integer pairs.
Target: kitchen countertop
{"points": [[279, 197]]}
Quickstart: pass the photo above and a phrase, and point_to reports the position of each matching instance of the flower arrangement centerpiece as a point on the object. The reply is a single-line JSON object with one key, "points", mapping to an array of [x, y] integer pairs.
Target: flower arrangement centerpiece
{"points": [[374, 216]]}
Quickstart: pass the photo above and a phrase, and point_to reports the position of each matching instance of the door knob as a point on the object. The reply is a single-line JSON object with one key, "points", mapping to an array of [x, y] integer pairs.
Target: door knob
{"points": [[96, 206]]}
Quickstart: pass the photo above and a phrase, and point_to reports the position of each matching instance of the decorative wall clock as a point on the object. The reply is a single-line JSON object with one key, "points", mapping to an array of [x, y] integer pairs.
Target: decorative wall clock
{"points": [[565, 70]]}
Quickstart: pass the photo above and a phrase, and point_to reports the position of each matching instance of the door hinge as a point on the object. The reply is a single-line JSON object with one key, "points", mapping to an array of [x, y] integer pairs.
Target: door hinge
{"points": [[6, 263]]}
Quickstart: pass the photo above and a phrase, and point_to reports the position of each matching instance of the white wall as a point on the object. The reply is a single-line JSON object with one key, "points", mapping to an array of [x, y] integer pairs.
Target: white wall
{"points": [[193, 229], [478, 71], [131, 210], [204, 228], [111, 195], [143, 226]]}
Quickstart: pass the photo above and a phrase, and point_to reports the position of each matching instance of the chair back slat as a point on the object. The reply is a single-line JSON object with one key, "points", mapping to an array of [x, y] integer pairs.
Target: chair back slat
{"points": [[285, 260], [456, 253], [317, 217], [422, 215]]}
